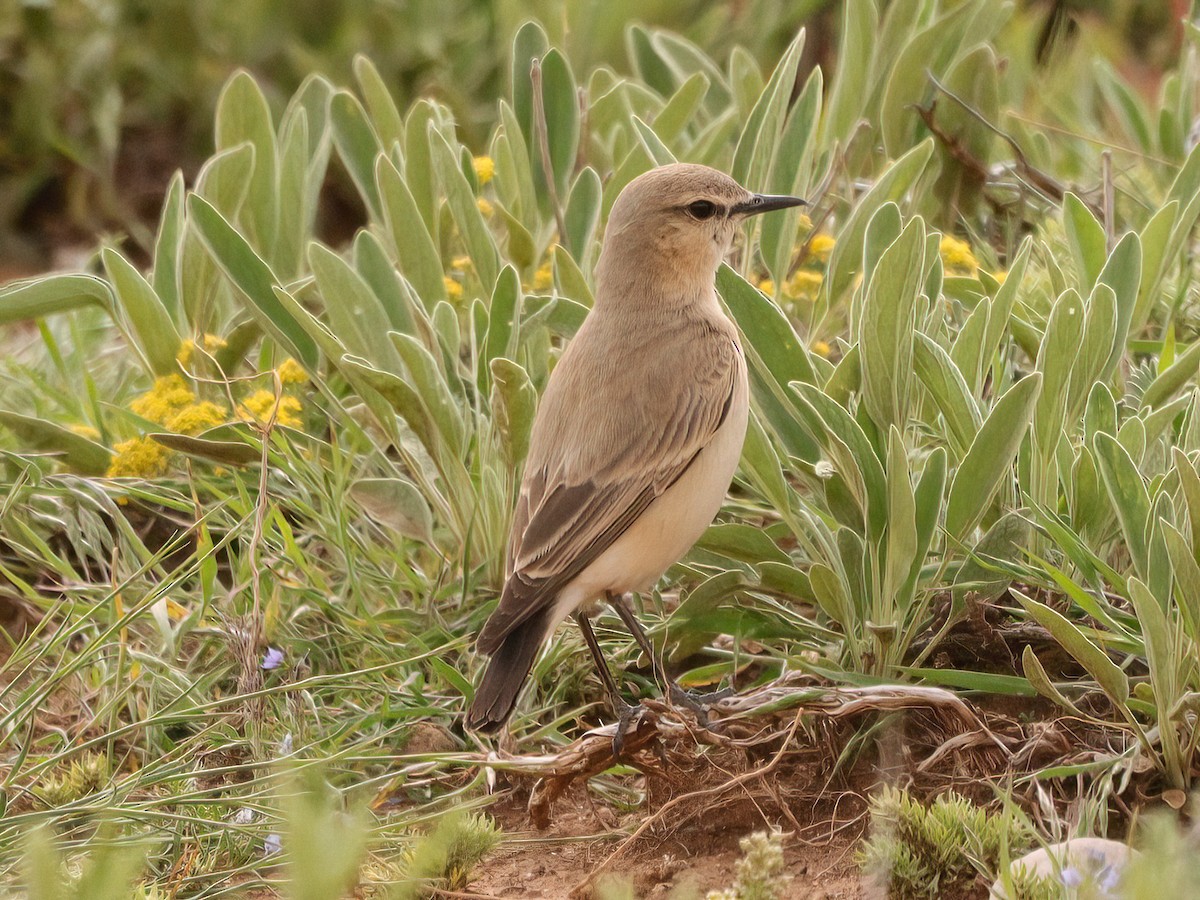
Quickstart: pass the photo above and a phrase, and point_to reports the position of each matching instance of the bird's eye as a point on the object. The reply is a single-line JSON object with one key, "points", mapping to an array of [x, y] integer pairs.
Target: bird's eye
{"points": [[701, 209]]}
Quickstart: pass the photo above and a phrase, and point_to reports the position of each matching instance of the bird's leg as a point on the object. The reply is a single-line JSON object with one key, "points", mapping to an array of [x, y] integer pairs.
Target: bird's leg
{"points": [[623, 710], [696, 702]]}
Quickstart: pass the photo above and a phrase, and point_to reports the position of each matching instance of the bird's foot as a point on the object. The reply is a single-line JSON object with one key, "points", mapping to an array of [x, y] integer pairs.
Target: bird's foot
{"points": [[627, 716], [698, 702]]}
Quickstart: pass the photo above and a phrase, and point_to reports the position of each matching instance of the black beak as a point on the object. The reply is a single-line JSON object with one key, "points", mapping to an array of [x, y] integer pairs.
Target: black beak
{"points": [[761, 203]]}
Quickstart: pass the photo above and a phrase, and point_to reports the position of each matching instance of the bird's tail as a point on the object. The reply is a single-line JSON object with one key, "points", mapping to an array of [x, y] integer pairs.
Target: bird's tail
{"points": [[505, 676]]}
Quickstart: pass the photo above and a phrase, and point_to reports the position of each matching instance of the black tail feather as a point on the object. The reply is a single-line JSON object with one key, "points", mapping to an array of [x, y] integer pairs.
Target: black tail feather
{"points": [[505, 676]]}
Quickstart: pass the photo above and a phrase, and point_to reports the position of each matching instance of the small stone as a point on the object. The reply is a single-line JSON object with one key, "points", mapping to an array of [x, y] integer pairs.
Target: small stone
{"points": [[1050, 862]]}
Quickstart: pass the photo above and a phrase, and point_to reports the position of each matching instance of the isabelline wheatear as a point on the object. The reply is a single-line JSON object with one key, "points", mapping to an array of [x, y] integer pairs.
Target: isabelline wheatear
{"points": [[639, 432]]}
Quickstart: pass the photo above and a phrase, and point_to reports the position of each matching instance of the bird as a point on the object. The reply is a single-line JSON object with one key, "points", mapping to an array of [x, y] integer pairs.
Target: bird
{"points": [[638, 433]]}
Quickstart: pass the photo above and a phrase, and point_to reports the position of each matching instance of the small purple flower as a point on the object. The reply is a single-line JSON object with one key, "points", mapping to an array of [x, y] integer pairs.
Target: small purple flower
{"points": [[1108, 878], [1071, 877], [273, 658], [272, 845]]}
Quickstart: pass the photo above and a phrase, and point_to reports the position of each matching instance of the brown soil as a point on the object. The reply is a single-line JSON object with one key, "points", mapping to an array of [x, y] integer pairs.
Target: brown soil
{"points": [[692, 859]]}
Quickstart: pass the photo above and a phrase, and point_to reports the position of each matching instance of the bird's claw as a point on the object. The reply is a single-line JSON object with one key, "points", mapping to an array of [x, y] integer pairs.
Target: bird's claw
{"points": [[627, 715], [699, 703]]}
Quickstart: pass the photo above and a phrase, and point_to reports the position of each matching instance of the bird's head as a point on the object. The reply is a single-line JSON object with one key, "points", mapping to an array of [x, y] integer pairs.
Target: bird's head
{"points": [[674, 224]]}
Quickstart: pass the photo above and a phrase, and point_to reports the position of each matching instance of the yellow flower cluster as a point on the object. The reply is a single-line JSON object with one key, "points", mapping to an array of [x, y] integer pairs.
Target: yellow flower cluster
{"points": [[957, 256], [543, 278], [820, 247], [258, 406], [485, 207], [169, 395], [196, 418], [454, 290], [212, 343], [485, 168], [172, 404], [805, 284], [291, 372], [141, 457]]}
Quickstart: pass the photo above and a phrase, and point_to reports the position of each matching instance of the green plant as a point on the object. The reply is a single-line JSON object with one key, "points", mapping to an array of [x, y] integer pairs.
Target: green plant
{"points": [[919, 851], [446, 856], [760, 873]]}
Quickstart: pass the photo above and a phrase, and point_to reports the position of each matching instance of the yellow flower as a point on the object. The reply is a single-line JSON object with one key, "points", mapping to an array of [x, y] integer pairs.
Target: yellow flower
{"points": [[820, 247], [804, 284], [291, 372], [460, 263], [139, 458], [543, 278], [485, 168], [453, 289], [1000, 276], [86, 431], [169, 395], [805, 223], [767, 286], [258, 406], [485, 207], [821, 348], [196, 418], [212, 343], [957, 256]]}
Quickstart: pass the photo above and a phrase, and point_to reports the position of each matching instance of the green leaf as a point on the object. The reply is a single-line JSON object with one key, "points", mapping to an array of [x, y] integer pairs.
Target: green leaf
{"points": [[1123, 273], [1085, 237], [1128, 494], [431, 387], [355, 314], [529, 44], [481, 246], [51, 294], [418, 257], [852, 454], [157, 338], [226, 453], [384, 116], [945, 383], [680, 110], [582, 214], [759, 140], [743, 543], [901, 517], [658, 151], [1037, 677], [895, 181], [79, 453], [244, 117], [1173, 379], [990, 457], [514, 401], [358, 146], [1107, 674], [849, 91], [168, 247], [886, 326], [252, 277], [1056, 357], [504, 315], [396, 503], [561, 102]]}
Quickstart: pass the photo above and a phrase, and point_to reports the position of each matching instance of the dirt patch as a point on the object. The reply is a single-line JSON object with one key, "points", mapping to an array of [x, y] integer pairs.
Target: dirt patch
{"points": [[697, 856]]}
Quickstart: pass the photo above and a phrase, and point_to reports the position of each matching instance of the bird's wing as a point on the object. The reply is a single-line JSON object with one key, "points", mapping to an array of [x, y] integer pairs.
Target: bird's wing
{"points": [[590, 477]]}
